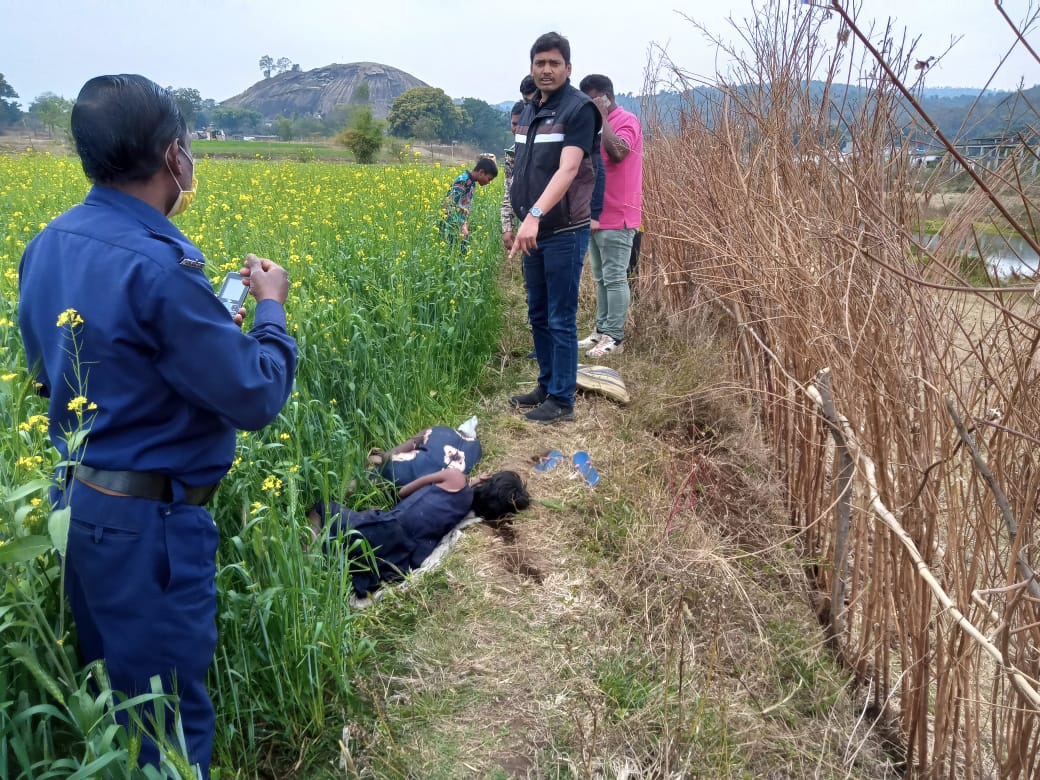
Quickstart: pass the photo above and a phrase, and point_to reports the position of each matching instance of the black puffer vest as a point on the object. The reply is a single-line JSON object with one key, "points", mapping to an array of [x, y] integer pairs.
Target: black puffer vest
{"points": [[539, 142]]}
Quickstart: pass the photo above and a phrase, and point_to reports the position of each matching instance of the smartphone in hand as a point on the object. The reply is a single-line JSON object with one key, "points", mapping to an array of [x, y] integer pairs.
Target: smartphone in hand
{"points": [[233, 292]]}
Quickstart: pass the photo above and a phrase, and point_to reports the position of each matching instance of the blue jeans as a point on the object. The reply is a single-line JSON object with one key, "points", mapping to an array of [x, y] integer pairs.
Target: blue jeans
{"points": [[552, 273]]}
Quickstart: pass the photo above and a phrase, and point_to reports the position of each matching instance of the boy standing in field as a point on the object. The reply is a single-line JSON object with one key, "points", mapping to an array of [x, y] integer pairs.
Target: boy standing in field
{"points": [[457, 202]]}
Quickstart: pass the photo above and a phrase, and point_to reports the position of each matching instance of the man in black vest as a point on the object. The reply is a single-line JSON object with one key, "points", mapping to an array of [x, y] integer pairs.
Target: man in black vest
{"points": [[553, 179]]}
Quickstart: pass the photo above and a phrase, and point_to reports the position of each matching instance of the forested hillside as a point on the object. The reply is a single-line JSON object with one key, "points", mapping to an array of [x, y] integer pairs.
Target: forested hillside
{"points": [[993, 113]]}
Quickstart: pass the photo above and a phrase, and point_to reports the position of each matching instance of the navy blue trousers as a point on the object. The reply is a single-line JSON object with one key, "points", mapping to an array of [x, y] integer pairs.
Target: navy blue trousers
{"points": [[140, 577]]}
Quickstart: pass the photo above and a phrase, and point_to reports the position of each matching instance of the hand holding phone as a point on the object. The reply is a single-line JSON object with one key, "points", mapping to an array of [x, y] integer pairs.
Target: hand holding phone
{"points": [[233, 292], [266, 279]]}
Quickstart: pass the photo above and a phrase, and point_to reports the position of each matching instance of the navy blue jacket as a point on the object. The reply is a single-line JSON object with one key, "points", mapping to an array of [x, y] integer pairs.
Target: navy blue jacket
{"points": [[171, 374], [403, 537]]}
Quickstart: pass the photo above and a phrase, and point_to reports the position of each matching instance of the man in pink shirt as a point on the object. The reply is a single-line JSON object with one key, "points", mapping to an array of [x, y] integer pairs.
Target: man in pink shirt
{"points": [[611, 246]]}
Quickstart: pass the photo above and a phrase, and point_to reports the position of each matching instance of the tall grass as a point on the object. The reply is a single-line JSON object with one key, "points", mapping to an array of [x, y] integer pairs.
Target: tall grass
{"points": [[393, 332]]}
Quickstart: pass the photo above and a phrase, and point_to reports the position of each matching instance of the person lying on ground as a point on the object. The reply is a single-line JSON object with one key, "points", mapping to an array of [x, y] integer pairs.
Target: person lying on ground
{"points": [[399, 539], [429, 451]]}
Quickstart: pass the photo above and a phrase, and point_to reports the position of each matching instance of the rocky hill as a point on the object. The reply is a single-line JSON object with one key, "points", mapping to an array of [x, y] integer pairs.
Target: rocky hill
{"points": [[320, 90]]}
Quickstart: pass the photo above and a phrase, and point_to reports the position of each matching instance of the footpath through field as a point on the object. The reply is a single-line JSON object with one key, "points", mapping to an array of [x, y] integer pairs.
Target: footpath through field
{"points": [[655, 625]]}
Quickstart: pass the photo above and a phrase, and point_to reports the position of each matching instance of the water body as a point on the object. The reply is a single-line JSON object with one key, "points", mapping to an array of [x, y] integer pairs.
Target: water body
{"points": [[1007, 255]]}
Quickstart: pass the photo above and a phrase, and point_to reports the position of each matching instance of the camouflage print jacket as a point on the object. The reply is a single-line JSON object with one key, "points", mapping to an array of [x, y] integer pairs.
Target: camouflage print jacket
{"points": [[506, 212]]}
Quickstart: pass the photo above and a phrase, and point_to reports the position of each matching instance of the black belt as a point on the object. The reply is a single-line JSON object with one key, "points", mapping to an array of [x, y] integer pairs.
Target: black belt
{"points": [[143, 484]]}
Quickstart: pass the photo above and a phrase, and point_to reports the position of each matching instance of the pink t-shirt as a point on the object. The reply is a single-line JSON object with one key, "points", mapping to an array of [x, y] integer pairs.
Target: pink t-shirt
{"points": [[623, 195]]}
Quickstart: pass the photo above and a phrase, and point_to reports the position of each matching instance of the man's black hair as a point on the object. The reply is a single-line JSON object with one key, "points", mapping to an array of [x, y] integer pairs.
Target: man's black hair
{"points": [[123, 126], [598, 82], [527, 86], [501, 494], [487, 165], [550, 41], [518, 108]]}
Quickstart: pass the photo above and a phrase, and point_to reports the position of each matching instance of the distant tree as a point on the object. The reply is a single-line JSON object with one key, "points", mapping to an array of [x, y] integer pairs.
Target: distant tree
{"points": [[205, 116], [363, 137], [189, 101], [426, 128], [488, 127], [306, 125], [236, 120], [282, 65], [9, 110], [427, 113], [266, 65], [285, 128], [52, 112], [6, 90], [360, 93], [341, 115]]}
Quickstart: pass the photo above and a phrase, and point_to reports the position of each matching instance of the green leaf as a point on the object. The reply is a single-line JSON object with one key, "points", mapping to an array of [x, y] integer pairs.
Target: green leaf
{"points": [[35, 486], [551, 504], [58, 528], [24, 548], [21, 513], [94, 767], [76, 441]]}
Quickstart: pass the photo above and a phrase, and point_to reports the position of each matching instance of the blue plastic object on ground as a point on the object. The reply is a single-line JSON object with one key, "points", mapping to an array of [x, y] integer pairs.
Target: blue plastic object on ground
{"points": [[583, 463], [549, 461]]}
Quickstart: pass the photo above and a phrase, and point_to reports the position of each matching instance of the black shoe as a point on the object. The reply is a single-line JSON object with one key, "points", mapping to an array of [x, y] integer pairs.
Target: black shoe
{"points": [[551, 411], [529, 400]]}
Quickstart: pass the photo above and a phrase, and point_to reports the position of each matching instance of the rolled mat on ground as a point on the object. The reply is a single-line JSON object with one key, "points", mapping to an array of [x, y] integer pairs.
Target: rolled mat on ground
{"points": [[604, 380]]}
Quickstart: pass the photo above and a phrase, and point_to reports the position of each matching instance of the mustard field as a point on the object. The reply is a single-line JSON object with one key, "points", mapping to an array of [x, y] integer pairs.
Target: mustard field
{"points": [[394, 330]]}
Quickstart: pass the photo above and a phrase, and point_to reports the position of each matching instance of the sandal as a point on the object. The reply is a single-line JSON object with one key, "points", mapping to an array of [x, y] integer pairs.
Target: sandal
{"points": [[583, 463], [549, 461]]}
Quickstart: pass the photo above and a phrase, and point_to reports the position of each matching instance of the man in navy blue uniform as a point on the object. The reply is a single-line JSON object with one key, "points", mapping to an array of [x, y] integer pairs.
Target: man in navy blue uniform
{"points": [[128, 341], [557, 138]]}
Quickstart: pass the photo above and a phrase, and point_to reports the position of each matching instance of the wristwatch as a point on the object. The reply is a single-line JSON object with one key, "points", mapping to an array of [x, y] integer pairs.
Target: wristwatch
{"points": [[535, 212]]}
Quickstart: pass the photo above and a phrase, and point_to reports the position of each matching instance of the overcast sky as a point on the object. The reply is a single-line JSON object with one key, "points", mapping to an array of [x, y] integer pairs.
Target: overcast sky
{"points": [[468, 48]]}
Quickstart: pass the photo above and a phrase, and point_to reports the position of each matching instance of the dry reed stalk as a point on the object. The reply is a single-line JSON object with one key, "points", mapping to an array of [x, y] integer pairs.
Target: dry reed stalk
{"points": [[811, 253]]}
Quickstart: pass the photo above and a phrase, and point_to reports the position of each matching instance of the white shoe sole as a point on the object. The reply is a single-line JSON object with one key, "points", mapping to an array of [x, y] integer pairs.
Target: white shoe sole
{"points": [[616, 349]]}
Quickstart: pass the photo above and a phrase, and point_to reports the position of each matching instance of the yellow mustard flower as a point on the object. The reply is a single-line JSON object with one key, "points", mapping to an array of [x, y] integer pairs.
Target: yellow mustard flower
{"points": [[79, 403], [69, 317]]}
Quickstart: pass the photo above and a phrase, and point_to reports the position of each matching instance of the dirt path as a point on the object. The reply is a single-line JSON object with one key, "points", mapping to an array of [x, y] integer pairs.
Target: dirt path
{"points": [[653, 626]]}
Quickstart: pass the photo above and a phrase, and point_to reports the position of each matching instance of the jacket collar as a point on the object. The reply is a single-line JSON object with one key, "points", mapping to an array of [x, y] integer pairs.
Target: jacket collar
{"points": [[554, 99], [136, 209]]}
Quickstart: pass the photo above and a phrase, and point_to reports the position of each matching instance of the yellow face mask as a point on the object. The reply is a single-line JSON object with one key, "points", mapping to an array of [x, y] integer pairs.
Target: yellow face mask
{"points": [[185, 198]]}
